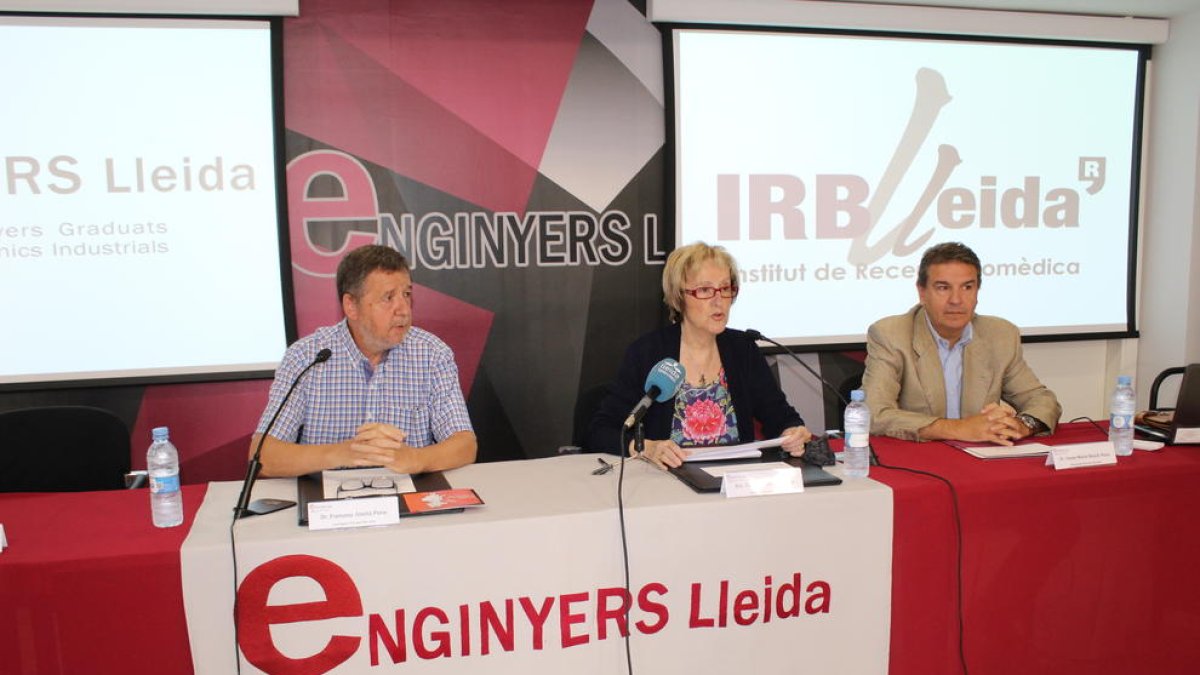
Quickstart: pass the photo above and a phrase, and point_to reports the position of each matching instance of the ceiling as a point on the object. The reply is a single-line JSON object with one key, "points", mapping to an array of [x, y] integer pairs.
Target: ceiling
{"points": [[1161, 9]]}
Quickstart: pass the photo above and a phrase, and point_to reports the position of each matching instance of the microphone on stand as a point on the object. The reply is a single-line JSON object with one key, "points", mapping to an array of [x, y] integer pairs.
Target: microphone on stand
{"points": [[756, 336], [264, 506], [662, 384]]}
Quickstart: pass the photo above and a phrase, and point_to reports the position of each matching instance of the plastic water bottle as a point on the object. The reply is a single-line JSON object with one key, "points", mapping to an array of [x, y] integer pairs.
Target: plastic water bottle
{"points": [[162, 463], [1120, 417], [856, 452]]}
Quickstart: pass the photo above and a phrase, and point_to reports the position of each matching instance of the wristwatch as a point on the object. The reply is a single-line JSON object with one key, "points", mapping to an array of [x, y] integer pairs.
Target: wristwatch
{"points": [[1034, 424]]}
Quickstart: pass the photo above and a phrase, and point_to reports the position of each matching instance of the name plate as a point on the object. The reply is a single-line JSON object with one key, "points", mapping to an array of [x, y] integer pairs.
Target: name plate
{"points": [[335, 514], [762, 482], [1076, 455]]}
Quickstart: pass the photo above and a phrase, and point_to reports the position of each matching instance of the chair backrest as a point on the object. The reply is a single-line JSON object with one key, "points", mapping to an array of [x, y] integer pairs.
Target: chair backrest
{"points": [[1178, 370], [1185, 427], [586, 405], [62, 449]]}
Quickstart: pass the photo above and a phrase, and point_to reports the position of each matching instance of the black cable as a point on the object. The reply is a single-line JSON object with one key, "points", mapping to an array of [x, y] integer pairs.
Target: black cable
{"points": [[237, 654], [624, 549], [241, 510], [962, 652], [1093, 422]]}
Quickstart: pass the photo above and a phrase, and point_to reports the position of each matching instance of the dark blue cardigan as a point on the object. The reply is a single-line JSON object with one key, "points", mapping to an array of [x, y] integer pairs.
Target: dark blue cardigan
{"points": [[755, 393]]}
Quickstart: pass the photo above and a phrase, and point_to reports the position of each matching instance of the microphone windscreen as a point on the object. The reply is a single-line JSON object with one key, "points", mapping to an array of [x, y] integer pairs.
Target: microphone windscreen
{"points": [[323, 355], [754, 335], [666, 377]]}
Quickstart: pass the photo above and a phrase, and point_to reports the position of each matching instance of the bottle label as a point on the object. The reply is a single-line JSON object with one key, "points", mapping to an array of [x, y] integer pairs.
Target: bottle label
{"points": [[164, 484], [1120, 421], [858, 440]]}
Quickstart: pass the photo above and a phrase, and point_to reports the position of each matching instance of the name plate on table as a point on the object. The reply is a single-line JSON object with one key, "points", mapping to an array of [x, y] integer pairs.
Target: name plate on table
{"points": [[1076, 455], [758, 482], [363, 512]]}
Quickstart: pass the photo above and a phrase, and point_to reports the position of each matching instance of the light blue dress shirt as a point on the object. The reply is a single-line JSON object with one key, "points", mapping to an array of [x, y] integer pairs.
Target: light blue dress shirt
{"points": [[952, 367]]}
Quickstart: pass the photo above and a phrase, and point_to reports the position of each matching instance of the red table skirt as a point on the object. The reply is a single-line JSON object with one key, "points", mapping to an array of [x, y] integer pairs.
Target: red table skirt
{"points": [[89, 585], [1081, 571]]}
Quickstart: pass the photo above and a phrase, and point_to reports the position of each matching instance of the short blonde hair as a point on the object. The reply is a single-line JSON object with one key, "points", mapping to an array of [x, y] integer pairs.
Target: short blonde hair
{"points": [[682, 263]]}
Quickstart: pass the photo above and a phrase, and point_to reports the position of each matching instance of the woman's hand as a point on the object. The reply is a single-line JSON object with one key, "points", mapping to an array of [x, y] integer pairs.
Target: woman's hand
{"points": [[662, 454], [794, 439]]}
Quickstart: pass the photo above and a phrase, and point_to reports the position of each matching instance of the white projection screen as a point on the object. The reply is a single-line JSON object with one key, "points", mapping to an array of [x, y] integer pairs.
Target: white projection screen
{"points": [[827, 163], [140, 231]]}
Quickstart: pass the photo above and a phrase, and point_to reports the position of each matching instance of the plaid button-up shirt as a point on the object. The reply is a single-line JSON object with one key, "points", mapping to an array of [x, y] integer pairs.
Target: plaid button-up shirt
{"points": [[414, 388]]}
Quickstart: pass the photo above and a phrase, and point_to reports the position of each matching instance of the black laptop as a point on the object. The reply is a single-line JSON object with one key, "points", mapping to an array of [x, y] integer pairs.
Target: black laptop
{"points": [[1180, 426]]}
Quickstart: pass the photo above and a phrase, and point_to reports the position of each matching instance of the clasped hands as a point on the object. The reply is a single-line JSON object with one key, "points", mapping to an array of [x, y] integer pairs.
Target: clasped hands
{"points": [[995, 423], [667, 454], [378, 444]]}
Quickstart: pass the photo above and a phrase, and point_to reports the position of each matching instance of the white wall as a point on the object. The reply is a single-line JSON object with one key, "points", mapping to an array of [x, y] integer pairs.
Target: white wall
{"points": [[1170, 294]]}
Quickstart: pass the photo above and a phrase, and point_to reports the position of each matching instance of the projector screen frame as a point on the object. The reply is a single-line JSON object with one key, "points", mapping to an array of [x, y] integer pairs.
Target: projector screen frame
{"points": [[274, 25], [1144, 55]]}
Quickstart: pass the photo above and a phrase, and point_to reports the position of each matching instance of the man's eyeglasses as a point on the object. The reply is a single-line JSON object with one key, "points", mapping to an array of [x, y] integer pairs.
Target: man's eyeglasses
{"points": [[708, 292], [356, 484]]}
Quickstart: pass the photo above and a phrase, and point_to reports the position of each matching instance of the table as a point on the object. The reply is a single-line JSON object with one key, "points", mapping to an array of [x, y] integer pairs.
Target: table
{"points": [[1082, 571], [531, 582], [89, 585]]}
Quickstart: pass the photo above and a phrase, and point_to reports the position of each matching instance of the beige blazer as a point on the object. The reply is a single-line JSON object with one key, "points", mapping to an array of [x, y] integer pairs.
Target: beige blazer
{"points": [[905, 388]]}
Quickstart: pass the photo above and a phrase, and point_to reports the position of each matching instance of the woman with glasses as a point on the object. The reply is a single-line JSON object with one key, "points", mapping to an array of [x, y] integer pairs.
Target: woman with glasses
{"points": [[728, 384]]}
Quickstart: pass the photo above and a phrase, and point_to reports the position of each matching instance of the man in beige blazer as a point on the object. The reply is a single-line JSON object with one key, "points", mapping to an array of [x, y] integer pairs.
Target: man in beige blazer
{"points": [[942, 372]]}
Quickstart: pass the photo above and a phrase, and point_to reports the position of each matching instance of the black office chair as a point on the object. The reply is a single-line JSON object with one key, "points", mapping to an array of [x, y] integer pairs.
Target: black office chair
{"points": [[1178, 370], [586, 405], [62, 449]]}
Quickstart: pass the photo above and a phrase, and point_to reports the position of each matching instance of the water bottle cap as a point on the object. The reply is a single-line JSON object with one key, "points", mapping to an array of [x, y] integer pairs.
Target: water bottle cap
{"points": [[1123, 379], [858, 395], [159, 433]]}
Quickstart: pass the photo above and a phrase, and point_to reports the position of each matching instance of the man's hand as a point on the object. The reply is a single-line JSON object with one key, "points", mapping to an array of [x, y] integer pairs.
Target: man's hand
{"points": [[376, 444], [1012, 428], [995, 423]]}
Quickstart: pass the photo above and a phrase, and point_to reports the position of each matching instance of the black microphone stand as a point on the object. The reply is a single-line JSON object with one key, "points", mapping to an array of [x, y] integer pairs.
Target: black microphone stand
{"points": [[260, 507], [264, 506]]}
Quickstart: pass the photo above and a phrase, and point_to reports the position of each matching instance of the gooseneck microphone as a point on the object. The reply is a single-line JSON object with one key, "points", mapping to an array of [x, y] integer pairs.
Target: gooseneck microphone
{"points": [[662, 384], [756, 336], [264, 506]]}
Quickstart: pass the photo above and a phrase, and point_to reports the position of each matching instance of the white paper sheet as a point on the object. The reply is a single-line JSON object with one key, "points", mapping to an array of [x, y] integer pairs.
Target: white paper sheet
{"points": [[739, 451]]}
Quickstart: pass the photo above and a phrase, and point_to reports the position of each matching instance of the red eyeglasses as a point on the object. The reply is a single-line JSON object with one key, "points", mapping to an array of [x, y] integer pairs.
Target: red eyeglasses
{"points": [[708, 292]]}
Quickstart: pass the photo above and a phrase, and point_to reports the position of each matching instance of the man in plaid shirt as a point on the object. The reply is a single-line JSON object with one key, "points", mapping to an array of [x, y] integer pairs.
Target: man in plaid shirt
{"points": [[388, 395]]}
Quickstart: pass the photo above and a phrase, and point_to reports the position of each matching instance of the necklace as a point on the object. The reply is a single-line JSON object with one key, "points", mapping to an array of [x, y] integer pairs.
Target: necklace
{"points": [[710, 365], [703, 362]]}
